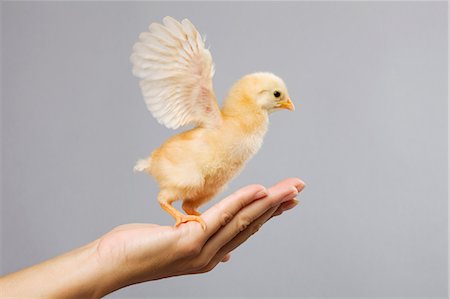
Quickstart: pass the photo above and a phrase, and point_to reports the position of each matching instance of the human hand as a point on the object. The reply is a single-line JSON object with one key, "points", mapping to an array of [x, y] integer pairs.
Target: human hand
{"points": [[136, 253]]}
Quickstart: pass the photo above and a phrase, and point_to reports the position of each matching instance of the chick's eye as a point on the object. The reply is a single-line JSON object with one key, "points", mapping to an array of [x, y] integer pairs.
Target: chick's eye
{"points": [[276, 94]]}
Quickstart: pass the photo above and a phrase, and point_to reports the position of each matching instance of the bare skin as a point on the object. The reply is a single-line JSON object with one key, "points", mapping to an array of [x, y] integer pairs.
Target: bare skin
{"points": [[135, 253]]}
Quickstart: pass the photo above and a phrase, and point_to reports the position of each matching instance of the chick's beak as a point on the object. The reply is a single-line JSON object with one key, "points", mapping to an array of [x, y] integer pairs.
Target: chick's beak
{"points": [[287, 104]]}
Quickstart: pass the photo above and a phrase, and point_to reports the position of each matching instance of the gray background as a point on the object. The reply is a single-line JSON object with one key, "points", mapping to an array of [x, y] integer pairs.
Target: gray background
{"points": [[369, 138]]}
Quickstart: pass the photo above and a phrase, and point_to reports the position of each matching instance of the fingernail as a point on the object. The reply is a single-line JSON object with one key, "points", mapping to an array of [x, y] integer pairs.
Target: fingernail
{"points": [[293, 193], [261, 194]]}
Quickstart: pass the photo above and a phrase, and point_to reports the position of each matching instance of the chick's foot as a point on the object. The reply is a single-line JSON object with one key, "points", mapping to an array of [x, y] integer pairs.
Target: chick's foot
{"points": [[186, 218]]}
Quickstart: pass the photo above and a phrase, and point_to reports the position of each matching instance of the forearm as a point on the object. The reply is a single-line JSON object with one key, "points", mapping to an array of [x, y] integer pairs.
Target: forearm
{"points": [[76, 274]]}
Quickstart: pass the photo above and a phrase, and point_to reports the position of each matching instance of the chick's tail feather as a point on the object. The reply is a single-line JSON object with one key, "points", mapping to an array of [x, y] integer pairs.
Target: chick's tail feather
{"points": [[142, 165]]}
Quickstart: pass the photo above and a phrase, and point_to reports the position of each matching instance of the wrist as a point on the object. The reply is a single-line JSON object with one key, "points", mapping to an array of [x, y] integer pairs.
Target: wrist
{"points": [[77, 274], [104, 271]]}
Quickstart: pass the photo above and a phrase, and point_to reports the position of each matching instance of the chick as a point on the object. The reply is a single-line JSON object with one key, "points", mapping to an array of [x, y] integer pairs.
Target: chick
{"points": [[176, 71]]}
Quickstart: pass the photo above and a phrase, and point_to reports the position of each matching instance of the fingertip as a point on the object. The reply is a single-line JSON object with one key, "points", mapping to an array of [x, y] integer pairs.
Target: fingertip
{"points": [[291, 204], [259, 191], [261, 194], [290, 194], [251, 191], [226, 258], [301, 186], [258, 188], [297, 183]]}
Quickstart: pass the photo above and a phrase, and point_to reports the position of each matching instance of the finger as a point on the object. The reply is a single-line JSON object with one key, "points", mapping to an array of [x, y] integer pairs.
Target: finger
{"points": [[285, 207], [243, 236], [226, 258], [238, 240], [281, 192], [221, 213]]}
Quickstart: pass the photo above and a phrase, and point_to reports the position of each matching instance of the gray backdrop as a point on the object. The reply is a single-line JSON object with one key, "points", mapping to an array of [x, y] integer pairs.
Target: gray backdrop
{"points": [[369, 138]]}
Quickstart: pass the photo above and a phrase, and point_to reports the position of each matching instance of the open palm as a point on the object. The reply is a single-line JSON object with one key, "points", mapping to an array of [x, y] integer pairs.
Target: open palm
{"points": [[143, 252]]}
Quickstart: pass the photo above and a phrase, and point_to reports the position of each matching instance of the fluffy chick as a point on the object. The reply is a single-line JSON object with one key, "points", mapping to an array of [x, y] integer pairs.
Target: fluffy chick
{"points": [[176, 72]]}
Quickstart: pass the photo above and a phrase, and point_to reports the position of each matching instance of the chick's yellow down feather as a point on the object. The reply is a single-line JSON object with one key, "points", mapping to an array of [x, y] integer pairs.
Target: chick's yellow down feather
{"points": [[176, 73]]}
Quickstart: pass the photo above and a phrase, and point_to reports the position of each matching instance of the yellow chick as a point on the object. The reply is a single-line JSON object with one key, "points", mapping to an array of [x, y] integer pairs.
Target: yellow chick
{"points": [[176, 71]]}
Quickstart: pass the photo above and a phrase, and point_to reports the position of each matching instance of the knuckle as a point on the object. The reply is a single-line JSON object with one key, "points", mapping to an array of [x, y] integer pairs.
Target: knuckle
{"points": [[225, 218], [191, 249], [243, 222]]}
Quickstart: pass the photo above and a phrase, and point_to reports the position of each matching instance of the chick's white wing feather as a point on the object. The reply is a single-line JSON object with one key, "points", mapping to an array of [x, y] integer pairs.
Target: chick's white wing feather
{"points": [[176, 72]]}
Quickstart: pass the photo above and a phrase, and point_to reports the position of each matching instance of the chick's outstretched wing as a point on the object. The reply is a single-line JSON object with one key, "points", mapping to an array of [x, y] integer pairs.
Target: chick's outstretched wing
{"points": [[176, 72]]}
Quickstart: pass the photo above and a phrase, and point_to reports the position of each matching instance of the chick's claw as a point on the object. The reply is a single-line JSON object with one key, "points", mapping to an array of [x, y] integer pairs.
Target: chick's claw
{"points": [[187, 218]]}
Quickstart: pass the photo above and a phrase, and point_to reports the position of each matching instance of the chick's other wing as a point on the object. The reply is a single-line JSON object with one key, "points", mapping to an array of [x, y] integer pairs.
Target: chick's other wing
{"points": [[176, 72]]}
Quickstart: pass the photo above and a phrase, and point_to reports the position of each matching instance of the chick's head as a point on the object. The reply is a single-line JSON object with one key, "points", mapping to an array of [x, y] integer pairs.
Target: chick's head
{"points": [[263, 91]]}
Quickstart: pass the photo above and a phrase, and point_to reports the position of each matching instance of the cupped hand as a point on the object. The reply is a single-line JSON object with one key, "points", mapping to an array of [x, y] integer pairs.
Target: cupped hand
{"points": [[136, 253]]}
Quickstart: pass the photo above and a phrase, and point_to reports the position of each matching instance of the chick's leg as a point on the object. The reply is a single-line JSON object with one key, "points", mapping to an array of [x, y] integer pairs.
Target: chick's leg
{"points": [[190, 208], [190, 205], [166, 203]]}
